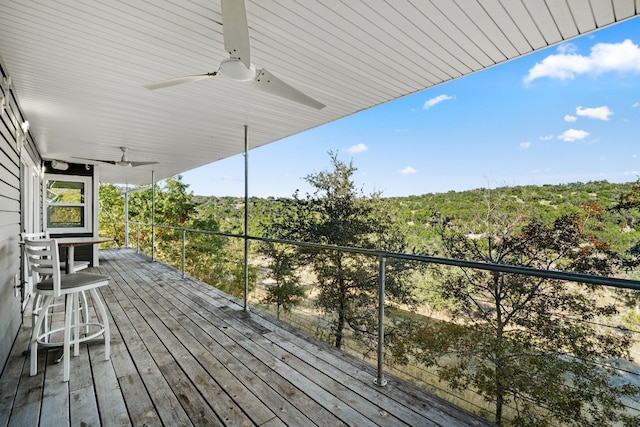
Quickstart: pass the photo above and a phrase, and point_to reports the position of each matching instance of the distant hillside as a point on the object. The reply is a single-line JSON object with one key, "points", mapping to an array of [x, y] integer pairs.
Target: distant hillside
{"points": [[545, 202], [413, 214]]}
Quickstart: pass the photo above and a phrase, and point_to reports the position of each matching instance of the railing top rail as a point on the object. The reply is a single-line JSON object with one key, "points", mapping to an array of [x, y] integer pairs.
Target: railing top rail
{"points": [[502, 268]]}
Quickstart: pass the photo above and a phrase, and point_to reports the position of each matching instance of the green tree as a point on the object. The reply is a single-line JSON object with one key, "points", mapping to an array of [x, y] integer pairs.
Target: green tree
{"points": [[203, 250], [630, 201], [111, 213], [338, 214], [227, 274], [286, 292], [174, 207], [523, 342]]}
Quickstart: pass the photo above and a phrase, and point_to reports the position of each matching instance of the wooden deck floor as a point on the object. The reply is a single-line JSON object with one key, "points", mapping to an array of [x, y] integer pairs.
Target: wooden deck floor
{"points": [[184, 354]]}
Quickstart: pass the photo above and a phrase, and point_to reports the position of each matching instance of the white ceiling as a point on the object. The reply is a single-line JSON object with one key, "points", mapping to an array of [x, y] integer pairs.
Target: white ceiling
{"points": [[79, 66]]}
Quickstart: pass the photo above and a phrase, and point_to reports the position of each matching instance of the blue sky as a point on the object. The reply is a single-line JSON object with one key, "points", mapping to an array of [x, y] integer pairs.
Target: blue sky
{"points": [[566, 114]]}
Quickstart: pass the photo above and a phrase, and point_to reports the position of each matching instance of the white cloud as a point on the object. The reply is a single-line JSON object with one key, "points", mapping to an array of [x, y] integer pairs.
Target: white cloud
{"points": [[573, 135], [437, 100], [567, 48], [636, 104], [546, 138], [358, 148], [600, 113], [569, 118], [408, 171], [525, 145], [604, 57]]}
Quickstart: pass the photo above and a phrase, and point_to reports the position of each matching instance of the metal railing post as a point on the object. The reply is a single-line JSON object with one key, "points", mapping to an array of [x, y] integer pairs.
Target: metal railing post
{"points": [[246, 221], [184, 239], [138, 238], [126, 217], [153, 218], [126, 234], [380, 381]]}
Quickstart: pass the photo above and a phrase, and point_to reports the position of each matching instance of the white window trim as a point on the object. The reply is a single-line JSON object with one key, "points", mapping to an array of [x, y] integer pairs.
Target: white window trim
{"points": [[31, 185], [88, 203]]}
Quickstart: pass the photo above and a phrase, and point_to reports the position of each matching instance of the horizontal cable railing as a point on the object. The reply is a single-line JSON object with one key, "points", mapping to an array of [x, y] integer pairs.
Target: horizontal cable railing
{"points": [[502, 268], [177, 242]]}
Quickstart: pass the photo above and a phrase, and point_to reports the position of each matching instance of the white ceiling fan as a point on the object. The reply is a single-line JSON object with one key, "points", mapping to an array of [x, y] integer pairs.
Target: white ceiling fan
{"points": [[124, 161], [238, 66]]}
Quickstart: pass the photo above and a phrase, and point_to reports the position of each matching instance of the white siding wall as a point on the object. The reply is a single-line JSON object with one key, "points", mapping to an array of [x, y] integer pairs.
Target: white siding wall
{"points": [[11, 119]]}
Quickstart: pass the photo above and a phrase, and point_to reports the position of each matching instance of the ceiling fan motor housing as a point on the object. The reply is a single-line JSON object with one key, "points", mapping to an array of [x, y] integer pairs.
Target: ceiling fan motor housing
{"points": [[236, 70]]}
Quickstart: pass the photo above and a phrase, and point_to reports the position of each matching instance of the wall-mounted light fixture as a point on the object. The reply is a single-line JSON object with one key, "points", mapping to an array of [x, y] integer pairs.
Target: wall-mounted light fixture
{"points": [[6, 83], [59, 165], [19, 139]]}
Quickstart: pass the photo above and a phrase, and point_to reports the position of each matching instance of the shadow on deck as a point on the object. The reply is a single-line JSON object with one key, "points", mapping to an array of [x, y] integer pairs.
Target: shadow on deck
{"points": [[184, 353]]}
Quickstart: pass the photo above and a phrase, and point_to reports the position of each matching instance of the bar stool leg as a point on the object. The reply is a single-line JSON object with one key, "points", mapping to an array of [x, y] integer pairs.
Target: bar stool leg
{"points": [[68, 314], [35, 333], [85, 312], [35, 310], [76, 324], [105, 323]]}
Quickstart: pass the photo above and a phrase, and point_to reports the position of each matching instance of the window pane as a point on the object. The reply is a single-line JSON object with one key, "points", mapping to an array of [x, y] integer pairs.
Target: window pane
{"points": [[65, 192], [65, 217]]}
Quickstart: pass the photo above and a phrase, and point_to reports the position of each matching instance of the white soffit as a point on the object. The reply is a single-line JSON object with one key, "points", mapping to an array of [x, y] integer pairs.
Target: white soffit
{"points": [[78, 66]]}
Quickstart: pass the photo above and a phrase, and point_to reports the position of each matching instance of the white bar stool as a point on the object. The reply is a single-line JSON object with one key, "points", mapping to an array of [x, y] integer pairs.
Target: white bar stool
{"points": [[44, 259], [36, 308]]}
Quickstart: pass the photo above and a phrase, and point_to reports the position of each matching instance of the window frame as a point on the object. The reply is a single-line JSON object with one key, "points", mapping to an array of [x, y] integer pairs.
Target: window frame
{"points": [[85, 205]]}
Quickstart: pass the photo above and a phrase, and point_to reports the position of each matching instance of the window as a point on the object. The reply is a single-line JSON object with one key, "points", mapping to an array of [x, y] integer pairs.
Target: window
{"points": [[68, 203]]}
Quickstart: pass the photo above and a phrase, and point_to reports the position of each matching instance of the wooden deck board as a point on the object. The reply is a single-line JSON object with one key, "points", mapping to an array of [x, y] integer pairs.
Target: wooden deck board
{"points": [[84, 408], [183, 353], [147, 353], [276, 391], [250, 398], [181, 345], [55, 397]]}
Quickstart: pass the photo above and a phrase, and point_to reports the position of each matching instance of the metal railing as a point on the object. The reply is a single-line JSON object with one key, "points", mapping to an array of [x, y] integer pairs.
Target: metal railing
{"points": [[382, 257]]}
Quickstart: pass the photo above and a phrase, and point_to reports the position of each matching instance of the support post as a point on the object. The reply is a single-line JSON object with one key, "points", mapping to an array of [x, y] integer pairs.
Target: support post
{"points": [[126, 216], [380, 380], [246, 221], [138, 238], [153, 217], [184, 246]]}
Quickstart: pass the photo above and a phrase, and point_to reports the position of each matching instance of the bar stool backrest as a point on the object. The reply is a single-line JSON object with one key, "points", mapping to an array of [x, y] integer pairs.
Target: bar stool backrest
{"points": [[35, 236], [40, 235], [44, 259]]}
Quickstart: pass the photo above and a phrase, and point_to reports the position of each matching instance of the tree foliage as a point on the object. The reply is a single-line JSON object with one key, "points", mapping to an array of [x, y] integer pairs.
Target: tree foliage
{"points": [[338, 214], [286, 292], [525, 343], [532, 347], [209, 257], [111, 213], [629, 201]]}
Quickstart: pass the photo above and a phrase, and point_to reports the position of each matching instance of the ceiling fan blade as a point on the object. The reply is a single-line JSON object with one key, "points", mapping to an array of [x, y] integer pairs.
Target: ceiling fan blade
{"points": [[110, 162], [179, 81], [236, 30], [267, 82], [136, 164]]}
